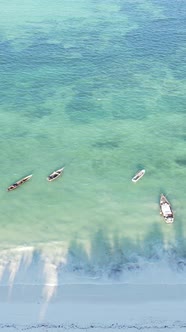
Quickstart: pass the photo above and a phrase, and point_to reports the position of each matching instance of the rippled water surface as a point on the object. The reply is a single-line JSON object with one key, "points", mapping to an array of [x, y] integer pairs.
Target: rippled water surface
{"points": [[98, 87]]}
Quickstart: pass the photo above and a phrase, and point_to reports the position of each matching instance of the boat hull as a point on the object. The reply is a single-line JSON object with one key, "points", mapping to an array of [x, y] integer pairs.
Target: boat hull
{"points": [[166, 210], [53, 176], [138, 176], [19, 183]]}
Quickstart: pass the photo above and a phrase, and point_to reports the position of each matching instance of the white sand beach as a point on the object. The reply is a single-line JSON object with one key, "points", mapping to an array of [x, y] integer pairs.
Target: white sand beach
{"points": [[94, 308], [37, 295]]}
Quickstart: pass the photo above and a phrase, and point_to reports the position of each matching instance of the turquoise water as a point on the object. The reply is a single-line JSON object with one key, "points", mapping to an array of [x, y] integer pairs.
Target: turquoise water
{"points": [[98, 87]]}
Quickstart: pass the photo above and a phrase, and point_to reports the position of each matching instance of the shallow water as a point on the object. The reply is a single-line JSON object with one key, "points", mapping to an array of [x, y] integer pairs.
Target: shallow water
{"points": [[97, 87]]}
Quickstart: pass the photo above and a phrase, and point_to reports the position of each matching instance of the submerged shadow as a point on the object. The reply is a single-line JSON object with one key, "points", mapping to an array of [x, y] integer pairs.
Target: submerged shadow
{"points": [[112, 257], [76, 259]]}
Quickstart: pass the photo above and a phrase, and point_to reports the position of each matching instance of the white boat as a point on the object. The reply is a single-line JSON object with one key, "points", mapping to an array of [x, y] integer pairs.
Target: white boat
{"points": [[138, 175], [19, 183], [166, 210], [55, 174]]}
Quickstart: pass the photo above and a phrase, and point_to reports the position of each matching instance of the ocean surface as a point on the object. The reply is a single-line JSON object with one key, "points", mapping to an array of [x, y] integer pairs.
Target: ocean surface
{"points": [[100, 88]]}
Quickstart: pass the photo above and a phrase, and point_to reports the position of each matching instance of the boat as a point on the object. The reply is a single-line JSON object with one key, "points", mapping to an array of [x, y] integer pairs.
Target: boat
{"points": [[55, 174], [19, 183], [166, 210], [138, 175]]}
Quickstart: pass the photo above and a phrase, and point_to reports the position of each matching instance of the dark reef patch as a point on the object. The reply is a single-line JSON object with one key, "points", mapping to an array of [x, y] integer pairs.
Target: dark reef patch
{"points": [[83, 109], [181, 162], [175, 104], [158, 38], [124, 109], [183, 137], [39, 112], [110, 144]]}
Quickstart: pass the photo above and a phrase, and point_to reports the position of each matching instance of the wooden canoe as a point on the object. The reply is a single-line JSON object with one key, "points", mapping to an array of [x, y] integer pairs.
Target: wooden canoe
{"points": [[19, 183], [55, 174], [138, 175]]}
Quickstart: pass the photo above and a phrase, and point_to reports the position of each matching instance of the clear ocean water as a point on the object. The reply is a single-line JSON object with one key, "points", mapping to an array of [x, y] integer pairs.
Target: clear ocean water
{"points": [[98, 87]]}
